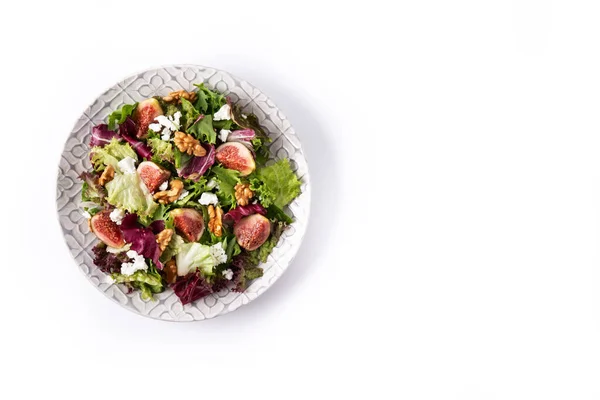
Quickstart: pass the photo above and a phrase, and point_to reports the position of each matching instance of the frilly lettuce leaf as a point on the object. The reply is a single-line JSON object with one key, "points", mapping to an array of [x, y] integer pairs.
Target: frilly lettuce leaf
{"points": [[161, 149], [203, 130], [208, 101], [111, 154], [148, 282], [173, 248], [127, 191], [276, 184]]}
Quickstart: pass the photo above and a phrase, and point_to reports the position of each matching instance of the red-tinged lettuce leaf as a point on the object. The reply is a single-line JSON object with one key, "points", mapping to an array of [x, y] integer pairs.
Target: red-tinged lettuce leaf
{"points": [[127, 131], [101, 135], [241, 135], [191, 288], [244, 270], [198, 166], [142, 239], [108, 262], [92, 190], [157, 226], [233, 216]]}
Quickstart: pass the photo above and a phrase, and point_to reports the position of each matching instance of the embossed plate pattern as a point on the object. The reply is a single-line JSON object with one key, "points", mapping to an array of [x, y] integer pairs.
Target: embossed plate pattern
{"points": [[74, 161]]}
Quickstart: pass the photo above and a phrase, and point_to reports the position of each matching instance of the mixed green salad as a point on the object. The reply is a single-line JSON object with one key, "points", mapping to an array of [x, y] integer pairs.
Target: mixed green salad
{"points": [[181, 195]]}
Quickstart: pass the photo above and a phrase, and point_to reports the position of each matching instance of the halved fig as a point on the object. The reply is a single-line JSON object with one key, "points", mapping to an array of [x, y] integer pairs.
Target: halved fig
{"points": [[234, 155], [189, 223], [152, 175], [106, 230], [144, 114], [252, 231]]}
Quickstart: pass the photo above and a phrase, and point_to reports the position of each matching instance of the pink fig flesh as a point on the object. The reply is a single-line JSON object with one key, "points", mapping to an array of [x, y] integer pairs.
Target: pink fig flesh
{"points": [[252, 231], [234, 155], [152, 175], [189, 223], [144, 114], [106, 230]]}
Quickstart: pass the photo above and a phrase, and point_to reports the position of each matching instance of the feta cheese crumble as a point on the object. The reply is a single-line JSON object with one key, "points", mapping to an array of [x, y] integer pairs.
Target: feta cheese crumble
{"points": [[224, 113], [127, 165], [166, 125], [211, 184], [163, 186], [218, 253], [207, 198], [228, 274], [223, 134], [117, 216], [86, 215], [137, 264], [183, 194]]}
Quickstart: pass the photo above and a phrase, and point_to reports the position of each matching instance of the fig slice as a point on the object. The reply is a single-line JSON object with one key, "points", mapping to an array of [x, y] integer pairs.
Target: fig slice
{"points": [[153, 175], [252, 231], [144, 115], [107, 230], [189, 223], [234, 155]]}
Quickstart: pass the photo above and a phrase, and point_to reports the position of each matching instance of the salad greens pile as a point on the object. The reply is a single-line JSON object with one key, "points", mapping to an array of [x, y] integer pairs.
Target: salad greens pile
{"points": [[182, 194]]}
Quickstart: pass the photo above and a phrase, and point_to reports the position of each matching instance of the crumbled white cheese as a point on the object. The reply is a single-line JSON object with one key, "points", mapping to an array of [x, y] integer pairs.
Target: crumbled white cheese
{"points": [[166, 134], [218, 253], [228, 274], [86, 215], [183, 194], [155, 127], [108, 279], [223, 113], [127, 165], [211, 184], [167, 122], [175, 118], [207, 198], [117, 216], [244, 116], [163, 186], [138, 263], [223, 134]]}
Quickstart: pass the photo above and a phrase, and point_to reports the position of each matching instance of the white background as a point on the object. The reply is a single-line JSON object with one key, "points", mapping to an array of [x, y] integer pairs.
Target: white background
{"points": [[452, 251]]}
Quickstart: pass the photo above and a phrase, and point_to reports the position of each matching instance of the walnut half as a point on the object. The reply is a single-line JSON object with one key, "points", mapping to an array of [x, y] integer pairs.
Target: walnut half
{"points": [[171, 195], [243, 193], [163, 238], [215, 223], [188, 144]]}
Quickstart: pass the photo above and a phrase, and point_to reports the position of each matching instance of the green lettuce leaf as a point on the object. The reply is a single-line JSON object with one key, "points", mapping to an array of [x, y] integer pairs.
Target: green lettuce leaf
{"points": [[119, 116], [208, 101], [261, 254], [276, 184], [189, 113], [227, 179], [127, 191], [162, 149], [192, 256], [148, 282], [111, 154], [203, 130]]}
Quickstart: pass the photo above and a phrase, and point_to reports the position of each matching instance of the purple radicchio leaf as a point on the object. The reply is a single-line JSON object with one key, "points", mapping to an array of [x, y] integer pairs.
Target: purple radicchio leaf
{"points": [[233, 216], [128, 130], [157, 226], [198, 166], [102, 136], [241, 135], [142, 239]]}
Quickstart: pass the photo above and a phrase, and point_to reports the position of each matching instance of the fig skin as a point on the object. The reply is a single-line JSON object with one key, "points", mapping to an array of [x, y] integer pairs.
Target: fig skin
{"points": [[234, 155], [106, 230], [252, 231], [189, 223], [144, 115], [152, 175]]}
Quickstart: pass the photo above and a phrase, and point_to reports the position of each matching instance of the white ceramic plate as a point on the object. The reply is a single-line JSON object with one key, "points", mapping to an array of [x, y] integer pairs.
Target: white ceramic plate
{"points": [[74, 161]]}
